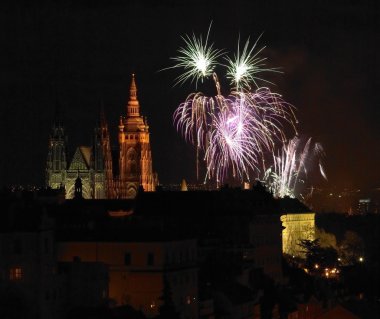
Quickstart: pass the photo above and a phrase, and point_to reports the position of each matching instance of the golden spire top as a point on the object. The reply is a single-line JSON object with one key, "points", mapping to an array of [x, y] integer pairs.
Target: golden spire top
{"points": [[133, 89], [133, 108]]}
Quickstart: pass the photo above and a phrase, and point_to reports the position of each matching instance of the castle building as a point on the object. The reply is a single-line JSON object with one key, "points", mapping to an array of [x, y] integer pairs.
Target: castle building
{"points": [[140, 269], [95, 165], [297, 227], [135, 161]]}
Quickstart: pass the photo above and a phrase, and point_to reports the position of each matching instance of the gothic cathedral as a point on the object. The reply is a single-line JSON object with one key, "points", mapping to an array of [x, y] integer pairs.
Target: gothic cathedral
{"points": [[95, 165]]}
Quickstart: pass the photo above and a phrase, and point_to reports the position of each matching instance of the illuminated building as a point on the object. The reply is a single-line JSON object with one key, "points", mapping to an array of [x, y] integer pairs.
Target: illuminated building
{"points": [[364, 206], [34, 284], [27, 264], [94, 164], [135, 162], [297, 227], [139, 270], [57, 156]]}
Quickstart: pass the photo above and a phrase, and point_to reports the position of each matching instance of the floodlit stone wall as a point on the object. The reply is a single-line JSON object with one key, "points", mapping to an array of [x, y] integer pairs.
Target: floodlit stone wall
{"points": [[297, 227]]}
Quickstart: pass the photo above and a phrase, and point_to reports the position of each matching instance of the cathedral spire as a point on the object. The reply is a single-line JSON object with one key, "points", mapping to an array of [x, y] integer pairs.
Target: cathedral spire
{"points": [[133, 108], [101, 111], [133, 89], [58, 108], [57, 120]]}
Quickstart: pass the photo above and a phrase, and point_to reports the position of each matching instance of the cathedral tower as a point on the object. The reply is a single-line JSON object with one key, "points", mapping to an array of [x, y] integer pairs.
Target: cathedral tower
{"points": [[98, 178], [102, 172], [135, 162], [56, 164], [106, 151]]}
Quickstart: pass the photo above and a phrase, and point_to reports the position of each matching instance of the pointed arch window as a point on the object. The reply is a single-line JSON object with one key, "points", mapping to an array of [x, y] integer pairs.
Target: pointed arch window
{"points": [[132, 161]]}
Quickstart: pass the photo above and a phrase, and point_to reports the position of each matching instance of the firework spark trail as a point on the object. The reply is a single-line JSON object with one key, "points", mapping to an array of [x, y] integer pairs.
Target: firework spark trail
{"points": [[244, 68], [231, 144], [291, 166], [235, 132], [198, 58]]}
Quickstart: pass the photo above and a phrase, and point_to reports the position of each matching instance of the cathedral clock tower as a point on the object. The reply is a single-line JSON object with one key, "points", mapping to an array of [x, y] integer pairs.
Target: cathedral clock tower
{"points": [[135, 160]]}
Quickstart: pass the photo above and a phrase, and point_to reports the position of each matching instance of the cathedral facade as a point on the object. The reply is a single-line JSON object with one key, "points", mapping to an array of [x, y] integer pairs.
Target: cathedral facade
{"points": [[103, 171]]}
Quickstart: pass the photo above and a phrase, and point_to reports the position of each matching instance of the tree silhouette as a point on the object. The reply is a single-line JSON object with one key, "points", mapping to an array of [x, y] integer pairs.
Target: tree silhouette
{"points": [[167, 310], [324, 257]]}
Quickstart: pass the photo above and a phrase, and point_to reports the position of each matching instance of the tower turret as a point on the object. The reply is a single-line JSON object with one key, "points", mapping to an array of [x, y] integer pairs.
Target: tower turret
{"points": [[135, 161], [57, 153], [106, 148], [133, 107], [97, 150]]}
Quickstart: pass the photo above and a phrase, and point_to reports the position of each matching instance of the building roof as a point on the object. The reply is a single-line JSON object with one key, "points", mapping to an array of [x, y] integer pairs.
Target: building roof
{"points": [[86, 153], [224, 202], [163, 216], [337, 312], [81, 159], [23, 215]]}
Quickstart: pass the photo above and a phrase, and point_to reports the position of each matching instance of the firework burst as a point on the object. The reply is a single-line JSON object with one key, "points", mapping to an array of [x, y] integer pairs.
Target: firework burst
{"points": [[231, 147], [291, 166], [235, 133], [198, 58], [246, 65]]}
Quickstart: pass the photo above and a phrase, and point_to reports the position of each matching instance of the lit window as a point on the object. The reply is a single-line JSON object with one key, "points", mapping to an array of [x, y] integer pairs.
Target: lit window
{"points": [[15, 273]]}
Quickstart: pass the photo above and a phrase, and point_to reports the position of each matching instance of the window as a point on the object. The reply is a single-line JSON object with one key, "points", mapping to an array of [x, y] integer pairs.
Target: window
{"points": [[150, 259], [127, 259], [15, 273]]}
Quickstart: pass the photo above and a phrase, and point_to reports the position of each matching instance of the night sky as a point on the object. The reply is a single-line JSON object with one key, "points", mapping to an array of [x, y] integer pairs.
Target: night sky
{"points": [[80, 55]]}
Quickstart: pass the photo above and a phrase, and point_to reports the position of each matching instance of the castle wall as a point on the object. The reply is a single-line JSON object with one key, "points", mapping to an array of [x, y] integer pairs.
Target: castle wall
{"points": [[297, 227]]}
